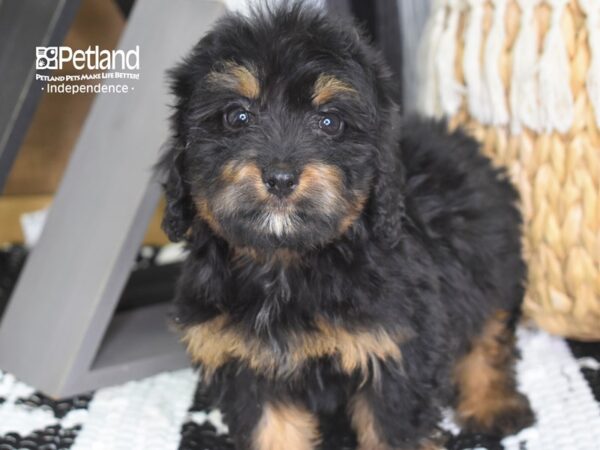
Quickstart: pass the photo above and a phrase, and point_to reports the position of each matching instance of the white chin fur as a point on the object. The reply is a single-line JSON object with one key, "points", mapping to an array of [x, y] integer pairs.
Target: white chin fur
{"points": [[279, 223]]}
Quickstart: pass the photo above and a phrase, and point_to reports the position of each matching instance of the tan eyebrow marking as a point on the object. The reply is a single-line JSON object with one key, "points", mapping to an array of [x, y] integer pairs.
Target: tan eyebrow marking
{"points": [[236, 77], [327, 86]]}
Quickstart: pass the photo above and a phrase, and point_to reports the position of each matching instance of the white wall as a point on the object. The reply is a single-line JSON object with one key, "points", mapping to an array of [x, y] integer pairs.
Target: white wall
{"points": [[242, 5]]}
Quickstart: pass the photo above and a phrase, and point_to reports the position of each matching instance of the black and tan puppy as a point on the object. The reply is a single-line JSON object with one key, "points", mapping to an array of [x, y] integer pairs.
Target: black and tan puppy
{"points": [[340, 256]]}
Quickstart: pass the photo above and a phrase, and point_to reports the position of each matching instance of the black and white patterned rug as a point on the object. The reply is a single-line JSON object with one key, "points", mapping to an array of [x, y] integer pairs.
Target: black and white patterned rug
{"points": [[167, 411]]}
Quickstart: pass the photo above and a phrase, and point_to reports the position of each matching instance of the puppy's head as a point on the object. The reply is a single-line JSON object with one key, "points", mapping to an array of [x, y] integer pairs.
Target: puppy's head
{"points": [[283, 134]]}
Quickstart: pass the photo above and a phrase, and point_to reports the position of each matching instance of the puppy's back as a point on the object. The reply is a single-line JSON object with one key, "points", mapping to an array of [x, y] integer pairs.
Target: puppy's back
{"points": [[465, 208]]}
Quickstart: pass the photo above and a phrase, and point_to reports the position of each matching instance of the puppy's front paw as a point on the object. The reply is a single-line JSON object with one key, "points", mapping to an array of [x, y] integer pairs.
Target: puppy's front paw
{"points": [[502, 418], [437, 441], [430, 445]]}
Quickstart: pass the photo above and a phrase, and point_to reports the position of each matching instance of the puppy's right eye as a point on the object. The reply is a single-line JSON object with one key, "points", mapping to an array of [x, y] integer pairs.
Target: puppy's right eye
{"points": [[237, 117]]}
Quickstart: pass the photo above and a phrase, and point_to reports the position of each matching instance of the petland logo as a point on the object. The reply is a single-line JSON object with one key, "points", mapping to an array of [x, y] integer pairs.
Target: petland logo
{"points": [[91, 59], [98, 64]]}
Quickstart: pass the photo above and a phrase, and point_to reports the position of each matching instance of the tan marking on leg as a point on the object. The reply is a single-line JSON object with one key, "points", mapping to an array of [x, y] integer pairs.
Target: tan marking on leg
{"points": [[430, 445], [363, 422], [367, 433], [486, 384], [327, 87], [237, 78], [286, 427]]}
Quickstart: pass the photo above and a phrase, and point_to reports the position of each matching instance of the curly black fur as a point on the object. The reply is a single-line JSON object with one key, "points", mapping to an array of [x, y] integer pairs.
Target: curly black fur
{"points": [[434, 251]]}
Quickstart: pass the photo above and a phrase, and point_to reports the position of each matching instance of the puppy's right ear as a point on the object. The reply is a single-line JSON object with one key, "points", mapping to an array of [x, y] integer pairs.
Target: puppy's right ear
{"points": [[185, 79], [179, 211]]}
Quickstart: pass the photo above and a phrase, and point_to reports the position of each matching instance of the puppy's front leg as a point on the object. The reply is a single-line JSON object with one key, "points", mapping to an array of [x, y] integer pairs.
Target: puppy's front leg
{"points": [[274, 425], [285, 425], [259, 419], [393, 416]]}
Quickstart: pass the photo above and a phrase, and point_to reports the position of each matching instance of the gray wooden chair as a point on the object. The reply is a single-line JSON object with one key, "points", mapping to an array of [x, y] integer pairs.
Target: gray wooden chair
{"points": [[59, 332]]}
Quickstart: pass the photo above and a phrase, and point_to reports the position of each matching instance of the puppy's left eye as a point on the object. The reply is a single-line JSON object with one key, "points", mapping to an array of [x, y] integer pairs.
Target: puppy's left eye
{"points": [[237, 117], [331, 124]]}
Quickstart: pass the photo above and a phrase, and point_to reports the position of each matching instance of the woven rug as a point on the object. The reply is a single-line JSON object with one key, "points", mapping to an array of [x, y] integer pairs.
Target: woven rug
{"points": [[169, 412]]}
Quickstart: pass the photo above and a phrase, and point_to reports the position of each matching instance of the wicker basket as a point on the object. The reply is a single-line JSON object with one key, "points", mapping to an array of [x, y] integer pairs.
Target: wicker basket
{"points": [[523, 76]]}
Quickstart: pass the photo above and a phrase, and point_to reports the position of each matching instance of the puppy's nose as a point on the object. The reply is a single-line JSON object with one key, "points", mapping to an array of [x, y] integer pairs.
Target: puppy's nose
{"points": [[280, 181]]}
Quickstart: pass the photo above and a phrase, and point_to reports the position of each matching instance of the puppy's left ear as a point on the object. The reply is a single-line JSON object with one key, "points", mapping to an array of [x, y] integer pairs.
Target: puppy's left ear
{"points": [[387, 201]]}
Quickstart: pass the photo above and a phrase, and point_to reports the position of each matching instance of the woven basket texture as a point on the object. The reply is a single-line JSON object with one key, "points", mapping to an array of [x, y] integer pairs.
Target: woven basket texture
{"points": [[556, 172]]}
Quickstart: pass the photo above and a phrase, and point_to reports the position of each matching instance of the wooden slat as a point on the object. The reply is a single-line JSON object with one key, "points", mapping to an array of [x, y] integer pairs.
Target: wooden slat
{"points": [[24, 24], [13, 207]]}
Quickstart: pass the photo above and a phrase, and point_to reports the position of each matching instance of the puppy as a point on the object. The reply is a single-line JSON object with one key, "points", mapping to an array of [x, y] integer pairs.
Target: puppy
{"points": [[340, 256]]}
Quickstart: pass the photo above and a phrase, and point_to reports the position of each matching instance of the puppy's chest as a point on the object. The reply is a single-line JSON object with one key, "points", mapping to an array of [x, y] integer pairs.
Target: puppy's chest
{"points": [[219, 341]]}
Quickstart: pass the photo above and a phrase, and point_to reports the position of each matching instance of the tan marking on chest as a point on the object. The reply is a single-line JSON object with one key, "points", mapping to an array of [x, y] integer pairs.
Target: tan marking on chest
{"points": [[214, 343]]}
